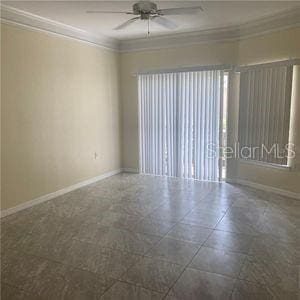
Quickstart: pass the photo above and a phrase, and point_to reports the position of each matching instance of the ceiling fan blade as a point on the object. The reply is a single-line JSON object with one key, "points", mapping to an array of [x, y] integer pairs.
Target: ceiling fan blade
{"points": [[108, 12], [164, 22], [180, 11], [125, 24]]}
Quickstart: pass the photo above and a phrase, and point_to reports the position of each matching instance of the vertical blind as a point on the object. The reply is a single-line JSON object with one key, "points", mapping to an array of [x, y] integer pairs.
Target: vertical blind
{"points": [[179, 123], [265, 98]]}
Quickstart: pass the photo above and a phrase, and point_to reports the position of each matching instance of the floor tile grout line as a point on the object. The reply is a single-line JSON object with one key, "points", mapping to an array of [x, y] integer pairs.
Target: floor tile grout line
{"points": [[129, 283], [145, 256], [241, 269], [188, 264], [63, 264], [141, 286], [115, 279], [116, 249], [16, 287], [178, 222], [168, 230], [106, 290], [155, 258], [83, 269], [215, 273]]}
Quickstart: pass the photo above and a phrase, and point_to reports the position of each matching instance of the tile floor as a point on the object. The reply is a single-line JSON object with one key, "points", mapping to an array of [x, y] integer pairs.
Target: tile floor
{"points": [[146, 237]]}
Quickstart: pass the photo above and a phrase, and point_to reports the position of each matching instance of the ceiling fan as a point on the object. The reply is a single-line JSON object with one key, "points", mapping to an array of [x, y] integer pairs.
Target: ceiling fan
{"points": [[147, 10]]}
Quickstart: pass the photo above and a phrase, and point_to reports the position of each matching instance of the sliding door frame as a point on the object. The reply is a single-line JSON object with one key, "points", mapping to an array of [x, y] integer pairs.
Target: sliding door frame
{"points": [[224, 68]]}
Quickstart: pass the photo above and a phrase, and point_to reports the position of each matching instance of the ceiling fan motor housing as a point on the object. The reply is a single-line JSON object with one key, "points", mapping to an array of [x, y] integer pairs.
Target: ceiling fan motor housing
{"points": [[145, 9]]}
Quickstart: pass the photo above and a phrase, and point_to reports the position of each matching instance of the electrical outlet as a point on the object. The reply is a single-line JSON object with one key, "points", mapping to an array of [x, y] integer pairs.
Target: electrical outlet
{"points": [[95, 155]]}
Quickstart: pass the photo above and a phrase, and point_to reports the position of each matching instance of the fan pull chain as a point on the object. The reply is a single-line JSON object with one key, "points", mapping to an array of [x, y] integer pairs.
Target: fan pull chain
{"points": [[148, 28]]}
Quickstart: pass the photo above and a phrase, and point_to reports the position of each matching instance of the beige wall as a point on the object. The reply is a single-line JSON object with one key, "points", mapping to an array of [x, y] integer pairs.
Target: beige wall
{"points": [[60, 105], [276, 46], [280, 45]]}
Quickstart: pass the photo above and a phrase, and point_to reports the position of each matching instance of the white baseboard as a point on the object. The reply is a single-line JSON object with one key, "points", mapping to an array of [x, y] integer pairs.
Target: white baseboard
{"points": [[68, 189], [78, 185], [130, 170], [264, 188]]}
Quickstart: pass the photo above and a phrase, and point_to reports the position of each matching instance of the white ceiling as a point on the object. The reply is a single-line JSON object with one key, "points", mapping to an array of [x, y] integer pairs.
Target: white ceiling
{"points": [[216, 14]]}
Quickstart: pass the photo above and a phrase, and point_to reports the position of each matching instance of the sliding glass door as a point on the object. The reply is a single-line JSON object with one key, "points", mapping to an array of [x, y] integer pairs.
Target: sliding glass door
{"points": [[179, 123]]}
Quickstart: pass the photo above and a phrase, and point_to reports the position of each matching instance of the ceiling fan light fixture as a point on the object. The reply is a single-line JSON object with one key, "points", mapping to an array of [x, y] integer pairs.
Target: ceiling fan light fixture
{"points": [[144, 7], [147, 10]]}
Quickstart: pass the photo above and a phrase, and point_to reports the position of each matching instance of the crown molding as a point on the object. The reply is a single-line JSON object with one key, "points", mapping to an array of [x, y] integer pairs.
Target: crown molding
{"points": [[262, 26], [180, 39], [15, 16], [284, 20]]}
